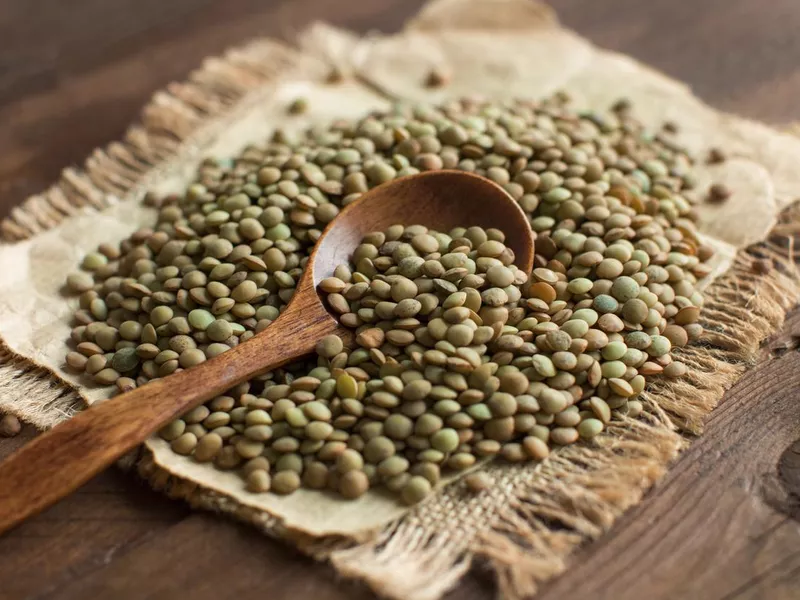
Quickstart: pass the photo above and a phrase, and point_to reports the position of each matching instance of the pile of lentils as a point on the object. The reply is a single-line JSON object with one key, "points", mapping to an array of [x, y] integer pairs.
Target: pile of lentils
{"points": [[460, 355]]}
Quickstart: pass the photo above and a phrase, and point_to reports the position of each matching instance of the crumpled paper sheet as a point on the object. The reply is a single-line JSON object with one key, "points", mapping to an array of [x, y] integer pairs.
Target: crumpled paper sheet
{"points": [[517, 50]]}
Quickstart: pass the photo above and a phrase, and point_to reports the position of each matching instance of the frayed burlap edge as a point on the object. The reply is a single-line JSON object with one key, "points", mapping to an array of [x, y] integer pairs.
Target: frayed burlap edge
{"points": [[32, 393], [526, 527]]}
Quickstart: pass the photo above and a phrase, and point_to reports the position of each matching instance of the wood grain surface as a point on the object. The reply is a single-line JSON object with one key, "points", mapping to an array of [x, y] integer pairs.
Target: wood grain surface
{"points": [[724, 524]]}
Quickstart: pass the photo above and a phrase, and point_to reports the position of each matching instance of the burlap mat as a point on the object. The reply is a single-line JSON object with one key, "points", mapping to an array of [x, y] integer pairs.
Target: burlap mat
{"points": [[536, 515]]}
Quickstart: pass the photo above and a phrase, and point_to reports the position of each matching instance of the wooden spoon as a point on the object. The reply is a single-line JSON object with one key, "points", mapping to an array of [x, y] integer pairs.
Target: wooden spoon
{"points": [[62, 459]]}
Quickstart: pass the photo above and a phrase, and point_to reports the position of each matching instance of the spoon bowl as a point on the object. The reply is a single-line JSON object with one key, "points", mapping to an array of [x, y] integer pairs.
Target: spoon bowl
{"points": [[440, 200], [59, 461]]}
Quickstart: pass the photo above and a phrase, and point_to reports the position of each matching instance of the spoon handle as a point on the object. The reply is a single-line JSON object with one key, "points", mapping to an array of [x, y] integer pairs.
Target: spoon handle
{"points": [[60, 460]]}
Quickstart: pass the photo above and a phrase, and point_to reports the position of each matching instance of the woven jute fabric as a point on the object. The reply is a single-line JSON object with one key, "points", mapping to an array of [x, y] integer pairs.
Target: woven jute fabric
{"points": [[528, 524]]}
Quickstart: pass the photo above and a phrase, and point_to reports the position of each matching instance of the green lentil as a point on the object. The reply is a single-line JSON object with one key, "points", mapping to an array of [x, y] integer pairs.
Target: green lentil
{"points": [[329, 346], [353, 484], [478, 482], [285, 482], [588, 428], [415, 490]]}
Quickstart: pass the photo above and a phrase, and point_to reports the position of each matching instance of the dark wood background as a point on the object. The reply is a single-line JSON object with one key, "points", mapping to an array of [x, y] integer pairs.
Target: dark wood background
{"points": [[725, 523]]}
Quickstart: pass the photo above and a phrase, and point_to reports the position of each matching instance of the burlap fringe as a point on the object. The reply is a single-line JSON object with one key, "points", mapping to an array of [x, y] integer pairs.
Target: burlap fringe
{"points": [[32, 394], [535, 516]]}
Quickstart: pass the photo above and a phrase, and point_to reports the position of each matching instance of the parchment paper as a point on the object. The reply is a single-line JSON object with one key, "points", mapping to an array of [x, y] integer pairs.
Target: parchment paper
{"points": [[516, 51]]}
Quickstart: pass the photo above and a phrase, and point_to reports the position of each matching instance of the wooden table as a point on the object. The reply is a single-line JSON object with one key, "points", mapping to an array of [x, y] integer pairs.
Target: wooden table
{"points": [[724, 524]]}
